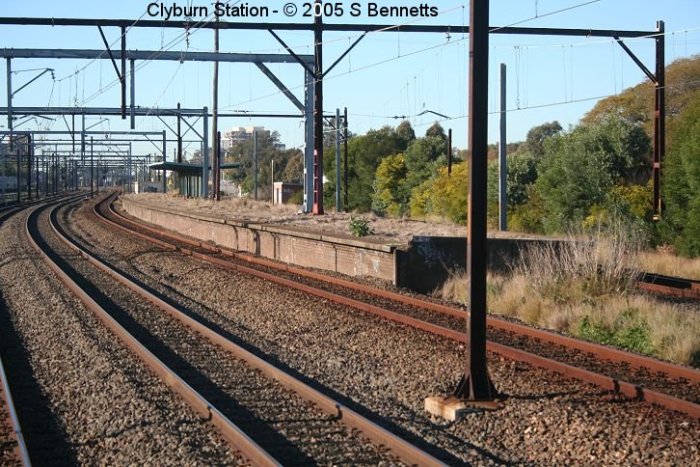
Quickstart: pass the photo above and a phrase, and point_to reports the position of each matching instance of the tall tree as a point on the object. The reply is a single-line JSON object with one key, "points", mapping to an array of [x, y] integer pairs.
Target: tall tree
{"points": [[579, 168], [436, 131], [405, 133], [538, 135], [681, 181], [364, 155]]}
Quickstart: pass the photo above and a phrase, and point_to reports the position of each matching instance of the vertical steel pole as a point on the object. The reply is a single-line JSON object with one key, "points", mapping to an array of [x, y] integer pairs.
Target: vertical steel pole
{"points": [[205, 152], [54, 178], [309, 141], [9, 99], [132, 75], [318, 108], [179, 136], [476, 384], [345, 155], [82, 143], [502, 162], [30, 155], [123, 75], [165, 184], [218, 166], [130, 169], [449, 151], [659, 118], [92, 168], [215, 118], [255, 163], [46, 175], [36, 172], [4, 161], [19, 170], [338, 203], [272, 180], [72, 133]]}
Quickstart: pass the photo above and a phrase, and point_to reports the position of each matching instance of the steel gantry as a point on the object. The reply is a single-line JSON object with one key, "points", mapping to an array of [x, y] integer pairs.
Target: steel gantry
{"points": [[475, 384], [307, 61]]}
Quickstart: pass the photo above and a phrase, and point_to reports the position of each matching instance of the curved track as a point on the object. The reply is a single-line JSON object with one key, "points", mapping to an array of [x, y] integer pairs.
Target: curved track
{"points": [[635, 376], [14, 452], [337, 412]]}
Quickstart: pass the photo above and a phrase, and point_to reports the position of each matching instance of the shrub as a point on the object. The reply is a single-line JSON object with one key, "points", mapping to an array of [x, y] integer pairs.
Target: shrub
{"points": [[359, 226]]}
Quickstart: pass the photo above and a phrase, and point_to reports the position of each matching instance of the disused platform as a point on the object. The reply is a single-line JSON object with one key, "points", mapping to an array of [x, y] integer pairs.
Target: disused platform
{"points": [[421, 264]]}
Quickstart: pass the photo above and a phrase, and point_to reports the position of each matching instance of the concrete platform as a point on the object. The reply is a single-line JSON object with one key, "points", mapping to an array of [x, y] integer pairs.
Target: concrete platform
{"points": [[422, 264], [343, 254]]}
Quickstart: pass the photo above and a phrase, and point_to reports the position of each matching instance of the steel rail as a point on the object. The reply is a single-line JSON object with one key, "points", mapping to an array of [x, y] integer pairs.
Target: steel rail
{"points": [[236, 437], [600, 351], [628, 389], [21, 449], [670, 286], [398, 446]]}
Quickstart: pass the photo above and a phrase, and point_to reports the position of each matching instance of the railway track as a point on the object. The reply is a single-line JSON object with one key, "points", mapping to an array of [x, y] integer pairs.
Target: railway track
{"points": [[198, 363], [670, 286], [14, 450], [671, 386]]}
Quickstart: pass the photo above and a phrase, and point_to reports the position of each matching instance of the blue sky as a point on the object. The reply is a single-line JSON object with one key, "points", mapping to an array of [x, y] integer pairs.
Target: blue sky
{"points": [[388, 74]]}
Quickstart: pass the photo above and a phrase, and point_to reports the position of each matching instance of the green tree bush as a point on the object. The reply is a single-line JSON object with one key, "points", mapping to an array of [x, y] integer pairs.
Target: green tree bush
{"points": [[444, 196], [580, 167], [390, 191], [681, 182]]}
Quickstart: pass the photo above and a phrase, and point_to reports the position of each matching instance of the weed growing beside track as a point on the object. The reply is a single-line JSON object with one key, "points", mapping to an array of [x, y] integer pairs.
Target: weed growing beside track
{"points": [[587, 289]]}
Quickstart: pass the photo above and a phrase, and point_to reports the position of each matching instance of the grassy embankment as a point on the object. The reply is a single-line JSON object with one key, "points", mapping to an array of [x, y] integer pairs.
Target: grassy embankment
{"points": [[587, 289]]}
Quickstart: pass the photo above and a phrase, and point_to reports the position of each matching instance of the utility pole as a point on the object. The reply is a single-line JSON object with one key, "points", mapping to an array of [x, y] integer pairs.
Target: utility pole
{"points": [[92, 168], [215, 118], [318, 108], [476, 384], [449, 151], [255, 163], [9, 99], [272, 180], [659, 117], [205, 153], [502, 162], [19, 171], [179, 136], [338, 204], [4, 161], [30, 155], [165, 153], [345, 155]]}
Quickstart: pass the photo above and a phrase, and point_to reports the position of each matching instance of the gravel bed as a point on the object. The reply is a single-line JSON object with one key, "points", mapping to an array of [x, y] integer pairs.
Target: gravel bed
{"points": [[8, 442], [389, 369], [680, 388], [80, 396], [285, 425]]}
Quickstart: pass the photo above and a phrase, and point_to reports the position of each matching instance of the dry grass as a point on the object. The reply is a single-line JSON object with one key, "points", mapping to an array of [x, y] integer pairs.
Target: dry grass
{"points": [[668, 264], [585, 289]]}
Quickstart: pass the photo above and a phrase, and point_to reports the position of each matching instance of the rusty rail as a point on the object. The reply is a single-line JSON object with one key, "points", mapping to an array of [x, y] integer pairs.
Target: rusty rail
{"points": [[399, 447], [600, 351], [670, 286], [236, 437], [20, 450]]}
